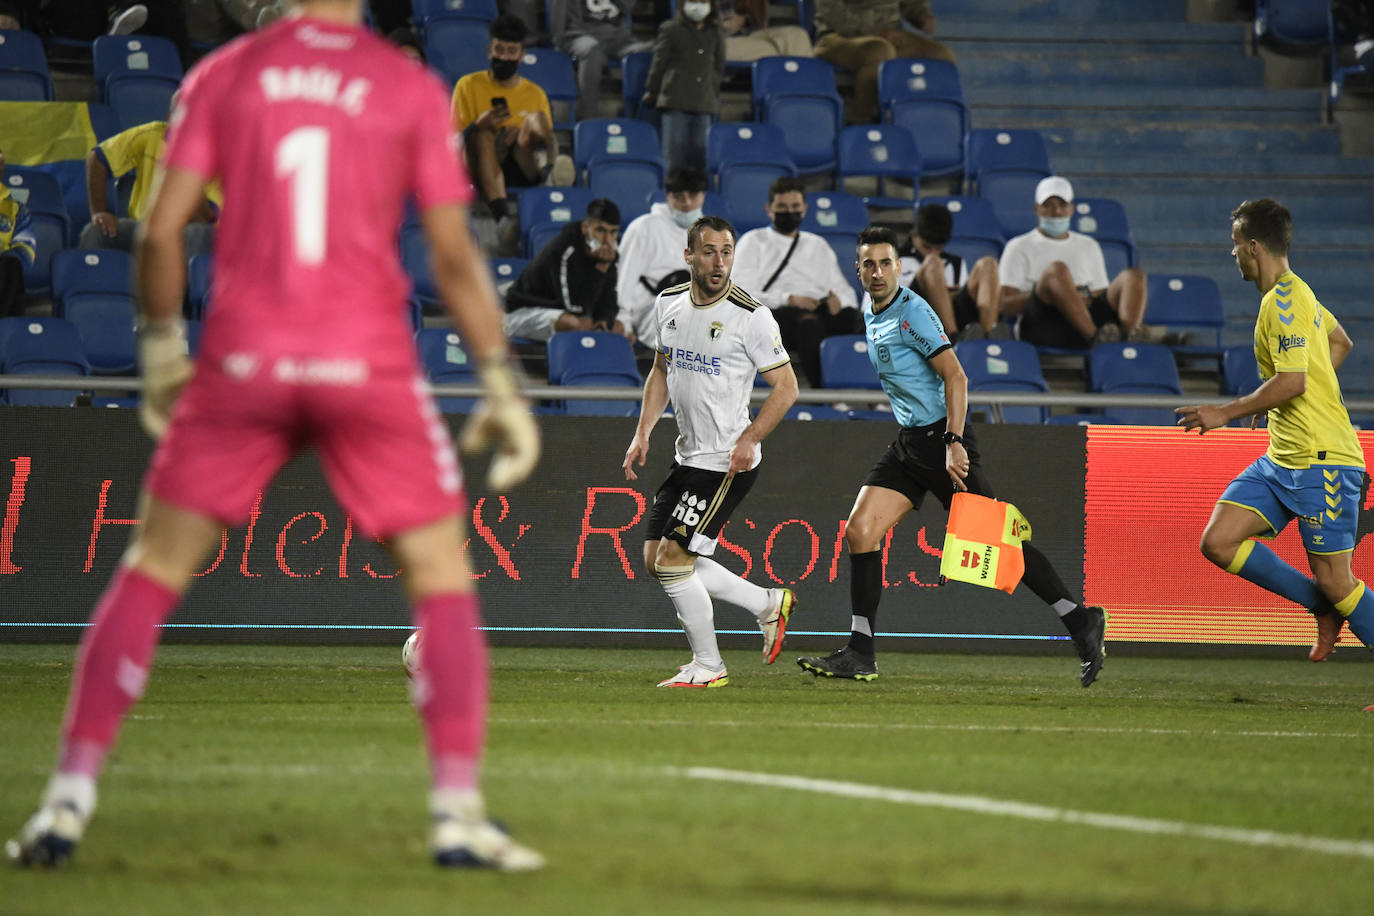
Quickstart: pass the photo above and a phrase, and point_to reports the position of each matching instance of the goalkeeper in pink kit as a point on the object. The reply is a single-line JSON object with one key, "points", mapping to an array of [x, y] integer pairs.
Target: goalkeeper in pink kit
{"points": [[318, 132]]}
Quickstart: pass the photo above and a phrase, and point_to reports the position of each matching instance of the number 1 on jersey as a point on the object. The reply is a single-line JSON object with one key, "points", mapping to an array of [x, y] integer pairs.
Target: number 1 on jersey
{"points": [[303, 157]]}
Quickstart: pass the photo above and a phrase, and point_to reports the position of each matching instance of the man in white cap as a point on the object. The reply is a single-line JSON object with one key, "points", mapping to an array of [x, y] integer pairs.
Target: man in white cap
{"points": [[1056, 280]]}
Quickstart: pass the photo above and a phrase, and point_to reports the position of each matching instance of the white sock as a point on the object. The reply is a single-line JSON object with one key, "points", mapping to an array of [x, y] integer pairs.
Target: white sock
{"points": [[725, 585], [694, 609], [74, 789], [860, 625], [1064, 606]]}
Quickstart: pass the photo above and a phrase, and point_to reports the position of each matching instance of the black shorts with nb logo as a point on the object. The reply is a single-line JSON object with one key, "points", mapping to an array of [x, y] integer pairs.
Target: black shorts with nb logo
{"points": [[692, 505]]}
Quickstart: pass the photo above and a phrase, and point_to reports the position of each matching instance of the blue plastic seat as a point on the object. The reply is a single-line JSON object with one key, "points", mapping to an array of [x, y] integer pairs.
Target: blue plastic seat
{"points": [[835, 211], [613, 139], [41, 346], [415, 260], [1188, 301], [714, 204], [552, 204], [594, 358], [745, 185], [1135, 368], [844, 363], [539, 236], [972, 249], [1239, 371], [1006, 165], [505, 270], [772, 77], [428, 11], [1012, 194], [24, 73], [842, 243], [881, 151], [446, 361], [815, 412], [106, 322], [974, 217], [52, 229], [628, 182], [199, 274], [1105, 220], [456, 47], [138, 55], [1293, 26], [138, 99], [1004, 365], [811, 124], [634, 75], [553, 72], [82, 271], [927, 98], [745, 142]]}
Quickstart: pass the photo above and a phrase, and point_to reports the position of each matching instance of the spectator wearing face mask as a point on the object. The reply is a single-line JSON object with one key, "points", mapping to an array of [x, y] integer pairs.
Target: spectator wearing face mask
{"points": [[798, 276], [570, 284], [684, 81], [1056, 280], [651, 250]]}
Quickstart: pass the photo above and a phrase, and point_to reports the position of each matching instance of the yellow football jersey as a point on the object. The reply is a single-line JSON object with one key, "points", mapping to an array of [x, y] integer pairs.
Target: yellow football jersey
{"points": [[138, 149], [1291, 336]]}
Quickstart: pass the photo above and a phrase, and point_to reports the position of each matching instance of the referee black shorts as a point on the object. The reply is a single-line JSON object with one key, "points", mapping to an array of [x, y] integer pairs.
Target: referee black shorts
{"points": [[693, 505], [914, 465]]}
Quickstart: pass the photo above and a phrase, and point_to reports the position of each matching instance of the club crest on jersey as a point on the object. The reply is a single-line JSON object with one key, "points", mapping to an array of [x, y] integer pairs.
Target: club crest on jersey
{"points": [[716, 330], [5, 224]]}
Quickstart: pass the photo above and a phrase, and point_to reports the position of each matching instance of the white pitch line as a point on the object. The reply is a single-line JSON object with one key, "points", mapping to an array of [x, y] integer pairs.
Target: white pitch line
{"points": [[918, 726], [981, 805]]}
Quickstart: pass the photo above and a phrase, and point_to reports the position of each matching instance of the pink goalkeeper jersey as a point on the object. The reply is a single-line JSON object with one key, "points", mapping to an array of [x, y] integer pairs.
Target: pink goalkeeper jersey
{"points": [[319, 133]]}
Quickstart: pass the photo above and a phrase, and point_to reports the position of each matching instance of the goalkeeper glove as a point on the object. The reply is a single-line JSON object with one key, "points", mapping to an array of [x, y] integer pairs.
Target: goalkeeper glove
{"points": [[503, 417], [163, 356]]}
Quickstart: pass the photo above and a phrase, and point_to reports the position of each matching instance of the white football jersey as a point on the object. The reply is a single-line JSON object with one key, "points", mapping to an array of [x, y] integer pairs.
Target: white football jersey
{"points": [[712, 352]]}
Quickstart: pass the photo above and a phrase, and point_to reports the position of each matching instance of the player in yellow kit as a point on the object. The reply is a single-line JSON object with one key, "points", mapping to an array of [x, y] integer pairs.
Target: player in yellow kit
{"points": [[1314, 469]]}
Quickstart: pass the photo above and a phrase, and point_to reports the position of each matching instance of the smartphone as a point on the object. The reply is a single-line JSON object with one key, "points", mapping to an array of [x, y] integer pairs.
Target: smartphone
{"points": [[498, 102]]}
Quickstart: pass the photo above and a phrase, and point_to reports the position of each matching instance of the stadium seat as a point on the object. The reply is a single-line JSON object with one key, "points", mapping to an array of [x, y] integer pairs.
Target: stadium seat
{"points": [[1339, 37], [594, 358], [1239, 371], [1292, 26], [199, 272], [634, 74], [971, 249], [745, 142], [41, 346], [445, 361], [613, 138], [138, 99], [106, 323], [553, 72], [24, 73], [815, 412], [927, 98], [628, 182], [974, 217], [1004, 365], [1135, 368], [1188, 302], [550, 204], [745, 185], [884, 152], [456, 47], [427, 11], [842, 243], [138, 55], [771, 77], [90, 271], [505, 270], [811, 124], [42, 194], [1006, 165], [415, 259], [1105, 220], [844, 363], [540, 235], [835, 212]]}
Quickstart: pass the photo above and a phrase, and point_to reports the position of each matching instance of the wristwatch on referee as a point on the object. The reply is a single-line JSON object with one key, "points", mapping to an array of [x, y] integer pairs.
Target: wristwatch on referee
{"points": [[951, 438]]}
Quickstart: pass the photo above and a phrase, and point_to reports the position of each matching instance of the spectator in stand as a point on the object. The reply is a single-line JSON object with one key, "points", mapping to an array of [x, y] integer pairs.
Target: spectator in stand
{"points": [[748, 36], [859, 35], [684, 81], [404, 37], [506, 123], [651, 251], [570, 284], [137, 150], [1355, 18], [797, 275], [1056, 280], [18, 247], [590, 31], [967, 301]]}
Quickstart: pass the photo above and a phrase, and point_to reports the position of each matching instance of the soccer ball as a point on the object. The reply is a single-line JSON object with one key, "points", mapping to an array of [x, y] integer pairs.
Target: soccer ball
{"points": [[410, 654]]}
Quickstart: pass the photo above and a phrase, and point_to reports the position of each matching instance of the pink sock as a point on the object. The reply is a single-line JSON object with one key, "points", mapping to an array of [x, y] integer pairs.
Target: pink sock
{"points": [[112, 667], [451, 687]]}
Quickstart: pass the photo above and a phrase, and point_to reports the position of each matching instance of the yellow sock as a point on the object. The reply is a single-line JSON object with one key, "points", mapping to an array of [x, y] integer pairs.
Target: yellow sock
{"points": [[1346, 605]]}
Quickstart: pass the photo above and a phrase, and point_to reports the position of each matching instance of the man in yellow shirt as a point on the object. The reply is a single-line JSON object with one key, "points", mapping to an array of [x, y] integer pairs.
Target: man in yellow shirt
{"points": [[506, 123], [136, 150], [1314, 470]]}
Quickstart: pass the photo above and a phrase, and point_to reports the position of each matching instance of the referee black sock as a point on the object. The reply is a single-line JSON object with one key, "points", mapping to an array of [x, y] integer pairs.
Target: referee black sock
{"points": [[1041, 578], [865, 591]]}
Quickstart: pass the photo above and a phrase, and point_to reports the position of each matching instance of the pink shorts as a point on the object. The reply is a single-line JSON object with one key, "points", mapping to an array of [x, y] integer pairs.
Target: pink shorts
{"points": [[381, 442]]}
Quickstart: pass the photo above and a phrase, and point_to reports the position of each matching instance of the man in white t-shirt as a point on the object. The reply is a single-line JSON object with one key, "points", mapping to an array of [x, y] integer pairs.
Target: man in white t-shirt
{"points": [[651, 250], [797, 275], [1056, 280], [713, 338]]}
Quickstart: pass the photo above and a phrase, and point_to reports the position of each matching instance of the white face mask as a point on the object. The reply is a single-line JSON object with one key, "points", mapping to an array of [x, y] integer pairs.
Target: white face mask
{"points": [[696, 11], [685, 218]]}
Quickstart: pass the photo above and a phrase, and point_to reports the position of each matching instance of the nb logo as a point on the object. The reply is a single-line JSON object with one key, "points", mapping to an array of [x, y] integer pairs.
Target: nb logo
{"points": [[688, 510]]}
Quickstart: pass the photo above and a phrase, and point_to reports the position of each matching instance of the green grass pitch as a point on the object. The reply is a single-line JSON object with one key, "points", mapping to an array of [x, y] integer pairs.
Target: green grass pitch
{"points": [[291, 780]]}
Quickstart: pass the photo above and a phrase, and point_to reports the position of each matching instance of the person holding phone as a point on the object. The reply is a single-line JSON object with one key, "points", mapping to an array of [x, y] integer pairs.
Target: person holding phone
{"points": [[506, 123]]}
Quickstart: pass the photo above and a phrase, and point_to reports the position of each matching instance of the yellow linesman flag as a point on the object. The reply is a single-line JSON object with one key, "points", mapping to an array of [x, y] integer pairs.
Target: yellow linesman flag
{"points": [[983, 542]]}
